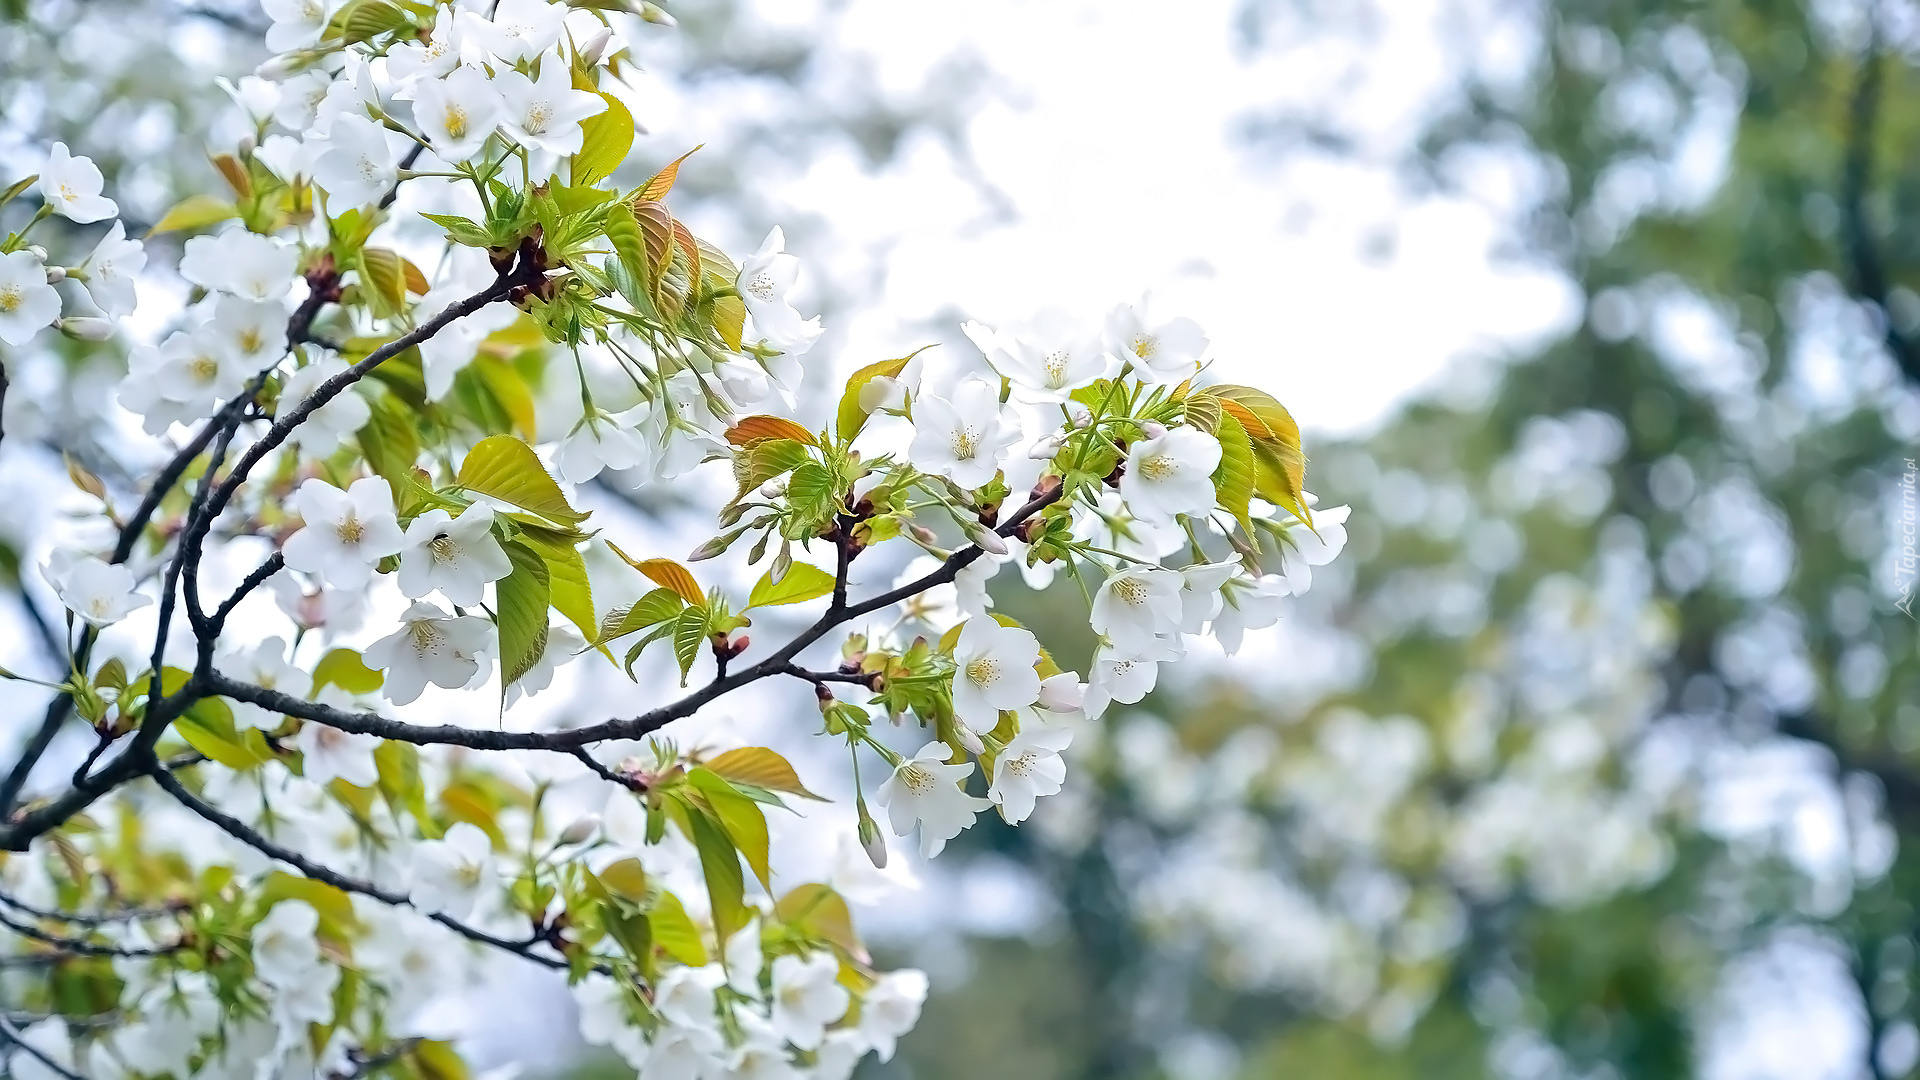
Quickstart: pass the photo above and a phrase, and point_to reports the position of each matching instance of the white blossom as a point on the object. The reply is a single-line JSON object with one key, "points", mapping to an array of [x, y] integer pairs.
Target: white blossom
{"points": [[1045, 365], [110, 271], [685, 995], [993, 671], [1029, 767], [965, 436], [452, 874], [1247, 604], [285, 950], [1200, 593], [300, 98], [1170, 475], [562, 646], [765, 278], [1125, 677], [437, 56], [761, 1053], [102, 593], [240, 262], [308, 1000], [336, 611], [27, 303], [519, 29], [49, 1038], [1159, 351], [264, 665], [457, 113], [678, 1052], [356, 167], [546, 112], [743, 958], [71, 186], [924, 790], [890, 1009], [807, 996], [251, 333], [430, 647], [346, 533], [458, 556], [296, 23], [1136, 605], [599, 442]]}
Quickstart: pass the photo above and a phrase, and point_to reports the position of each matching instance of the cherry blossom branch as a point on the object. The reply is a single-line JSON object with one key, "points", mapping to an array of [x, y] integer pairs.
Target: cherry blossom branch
{"points": [[15, 1039], [84, 948], [90, 919], [240, 831], [215, 684], [259, 576]]}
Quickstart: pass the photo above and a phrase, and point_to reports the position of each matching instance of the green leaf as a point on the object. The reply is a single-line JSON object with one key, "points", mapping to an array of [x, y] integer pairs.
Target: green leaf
{"points": [[208, 727], [851, 417], [656, 607], [820, 912], [334, 907], [762, 768], [192, 213], [1233, 480], [507, 469], [572, 592], [390, 439], [344, 668], [740, 816], [689, 633], [606, 138], [462, 230], [803, 582], [625, 878], [383, 281], [522, 615], [510, 389], [720, 863], [675, 933]]}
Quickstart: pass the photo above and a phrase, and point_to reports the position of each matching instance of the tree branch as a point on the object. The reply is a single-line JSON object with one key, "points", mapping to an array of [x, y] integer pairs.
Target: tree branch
{"points": [[239, 830], [13, 1037], [83, 948]]}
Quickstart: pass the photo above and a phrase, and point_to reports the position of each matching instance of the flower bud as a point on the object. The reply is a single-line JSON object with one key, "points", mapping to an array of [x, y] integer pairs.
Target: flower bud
{"points": [[86, 328], [969, 738], [1061, 693], [278, 68], [37, 252], [713, 548], [56, 274], [580, 831], [774, 488], [1082, 420], [1153, 429], [871, 839], [1047, 447], [986, 539], [883, 394], [596, 46], [654, 13]]}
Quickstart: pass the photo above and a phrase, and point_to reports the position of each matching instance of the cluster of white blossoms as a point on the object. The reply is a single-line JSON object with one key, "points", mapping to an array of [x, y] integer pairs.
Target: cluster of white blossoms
{"points": [[291, 839]]}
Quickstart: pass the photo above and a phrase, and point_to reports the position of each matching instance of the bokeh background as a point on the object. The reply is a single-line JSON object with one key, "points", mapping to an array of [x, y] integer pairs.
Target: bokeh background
{"points": [[1597, 754]]}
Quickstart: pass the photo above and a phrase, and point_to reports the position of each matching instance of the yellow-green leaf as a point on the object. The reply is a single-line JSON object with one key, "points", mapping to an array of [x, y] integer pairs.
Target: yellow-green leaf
{"points": [[626, 878], [656, 607], [689, 631], [656, 188], [851, 417], [720, 864], [741, 817], [803, 582], [522, 614], [344, 668], [666, 572], [194, 212], [1233, 480], [606, 137], [507, 469], [674, 931], [820, 913], [760, 767]]}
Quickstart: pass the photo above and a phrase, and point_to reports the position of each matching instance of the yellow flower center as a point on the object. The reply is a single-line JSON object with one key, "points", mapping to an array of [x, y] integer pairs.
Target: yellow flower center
{"points": [[67, 194], [425, 635], [203, 368], [455, 121], [537, 117], [1158, 467], [350, 530], [250, 339], [10, 297], [443, 549], [761, 285], [1144, 346], [983, 670], [1020, 766], [1132, 590], [966, 443], [1056, 365], [918, 780]]}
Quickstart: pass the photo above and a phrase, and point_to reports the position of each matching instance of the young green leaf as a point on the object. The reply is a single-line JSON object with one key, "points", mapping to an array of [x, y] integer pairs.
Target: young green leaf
{"points": [[522, 615], [689, 633], [508, 469], [606, 137], [740, 816], [802, 582], [760, 767]]}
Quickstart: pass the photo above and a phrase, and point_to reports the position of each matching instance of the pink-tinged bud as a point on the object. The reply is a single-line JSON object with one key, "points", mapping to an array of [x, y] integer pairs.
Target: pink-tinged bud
{"points": [[56, 274], [823, 695], [986, 539], [1153, 429], [596, 46], [580, 831], [871, 839], [85, 328], [712, 548], [1082, 420]]}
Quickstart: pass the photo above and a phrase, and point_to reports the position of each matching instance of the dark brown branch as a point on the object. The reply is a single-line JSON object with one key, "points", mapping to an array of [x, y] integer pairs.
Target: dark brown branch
{"points": [[237, 829], [102, 918], [78, 947], [12, 1037]]}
